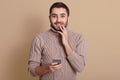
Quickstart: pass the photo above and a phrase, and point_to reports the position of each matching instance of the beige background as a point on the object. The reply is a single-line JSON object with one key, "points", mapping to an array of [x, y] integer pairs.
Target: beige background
{"points": [[97, 20]]}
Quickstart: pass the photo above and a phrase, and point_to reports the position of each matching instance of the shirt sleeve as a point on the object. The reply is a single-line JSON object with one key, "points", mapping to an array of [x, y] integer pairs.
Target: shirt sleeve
{"points": [[77, 58], [35, 55]]}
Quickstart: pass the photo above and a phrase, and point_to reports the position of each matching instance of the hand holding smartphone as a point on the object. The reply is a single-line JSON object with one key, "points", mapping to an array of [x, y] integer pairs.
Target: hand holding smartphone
{"points": [[55, 65], [57, 60]]}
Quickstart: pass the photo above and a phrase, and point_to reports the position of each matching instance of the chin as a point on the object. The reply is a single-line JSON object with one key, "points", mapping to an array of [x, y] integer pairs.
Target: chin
{"points": [[57, 29]]}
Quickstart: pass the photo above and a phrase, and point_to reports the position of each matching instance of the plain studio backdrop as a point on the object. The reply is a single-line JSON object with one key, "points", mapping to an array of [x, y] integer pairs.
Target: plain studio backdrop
{"points": [[97, 20]]}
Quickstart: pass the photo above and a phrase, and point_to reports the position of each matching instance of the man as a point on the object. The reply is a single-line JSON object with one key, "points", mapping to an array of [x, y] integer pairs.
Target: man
{"points": [[59, 53]]}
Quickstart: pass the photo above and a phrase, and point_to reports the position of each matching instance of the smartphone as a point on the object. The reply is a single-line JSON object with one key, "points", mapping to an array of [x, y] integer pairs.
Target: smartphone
{"points": [[58, 60]]}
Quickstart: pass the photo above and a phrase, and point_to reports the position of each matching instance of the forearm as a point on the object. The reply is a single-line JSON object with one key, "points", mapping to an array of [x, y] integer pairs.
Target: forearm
{"points": [[76, 61], [40, 70], [68, 49]]}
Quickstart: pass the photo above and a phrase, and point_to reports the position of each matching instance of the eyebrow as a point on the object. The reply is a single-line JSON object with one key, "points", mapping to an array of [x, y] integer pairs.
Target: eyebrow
{"points": [[60, 14]]}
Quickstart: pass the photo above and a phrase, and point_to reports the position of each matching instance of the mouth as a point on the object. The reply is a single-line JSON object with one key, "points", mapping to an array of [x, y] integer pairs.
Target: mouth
{"points": [[59, 23]]}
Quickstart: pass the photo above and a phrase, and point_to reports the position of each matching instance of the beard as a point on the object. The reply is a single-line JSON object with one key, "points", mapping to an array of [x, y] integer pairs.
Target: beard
{"points": [[63, 24]]}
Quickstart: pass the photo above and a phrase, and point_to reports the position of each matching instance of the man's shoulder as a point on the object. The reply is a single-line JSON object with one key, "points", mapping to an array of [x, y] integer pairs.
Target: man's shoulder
{"points": [[75, 34], [41, 34]]}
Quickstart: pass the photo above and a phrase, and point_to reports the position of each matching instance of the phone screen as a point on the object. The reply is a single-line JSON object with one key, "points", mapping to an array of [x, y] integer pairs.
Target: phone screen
{"points": [[58, 60]]}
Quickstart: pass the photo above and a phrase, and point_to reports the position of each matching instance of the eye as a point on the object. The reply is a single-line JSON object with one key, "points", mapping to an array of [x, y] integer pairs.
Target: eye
{"points": [[62, 16], [53, 16]]}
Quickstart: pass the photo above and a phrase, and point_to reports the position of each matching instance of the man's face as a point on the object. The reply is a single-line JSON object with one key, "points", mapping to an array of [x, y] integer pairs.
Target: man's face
{"points": [[58, 18]]}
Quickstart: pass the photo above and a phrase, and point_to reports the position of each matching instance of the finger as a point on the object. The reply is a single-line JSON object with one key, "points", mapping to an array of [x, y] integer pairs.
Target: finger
{"points": [[54, 63], [59, 65], [56, 68], [60, 32], [63, 27], [52, 69]]}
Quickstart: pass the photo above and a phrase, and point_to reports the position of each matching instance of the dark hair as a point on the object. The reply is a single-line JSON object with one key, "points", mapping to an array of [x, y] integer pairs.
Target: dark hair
{"points": [[59, 5]]}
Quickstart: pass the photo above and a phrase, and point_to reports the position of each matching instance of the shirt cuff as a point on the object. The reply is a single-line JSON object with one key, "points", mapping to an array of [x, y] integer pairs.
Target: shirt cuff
{"points": [[32, 67]]}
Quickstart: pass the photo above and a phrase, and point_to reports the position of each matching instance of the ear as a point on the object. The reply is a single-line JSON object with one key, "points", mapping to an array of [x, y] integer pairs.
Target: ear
{"points": [[49, 18], [68, 18]]}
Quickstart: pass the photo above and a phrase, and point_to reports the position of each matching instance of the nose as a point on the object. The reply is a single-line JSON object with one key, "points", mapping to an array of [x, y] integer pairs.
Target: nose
{"points": [[58, 19]]}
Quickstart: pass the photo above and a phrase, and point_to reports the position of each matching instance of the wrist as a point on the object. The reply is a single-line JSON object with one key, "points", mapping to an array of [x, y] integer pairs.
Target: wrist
{"points": [[68, 49], [47, 68], [66, 44]]}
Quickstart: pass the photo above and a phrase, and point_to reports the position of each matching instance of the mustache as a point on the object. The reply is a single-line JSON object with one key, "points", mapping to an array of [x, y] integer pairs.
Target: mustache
{"points": [[59, 23]]}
